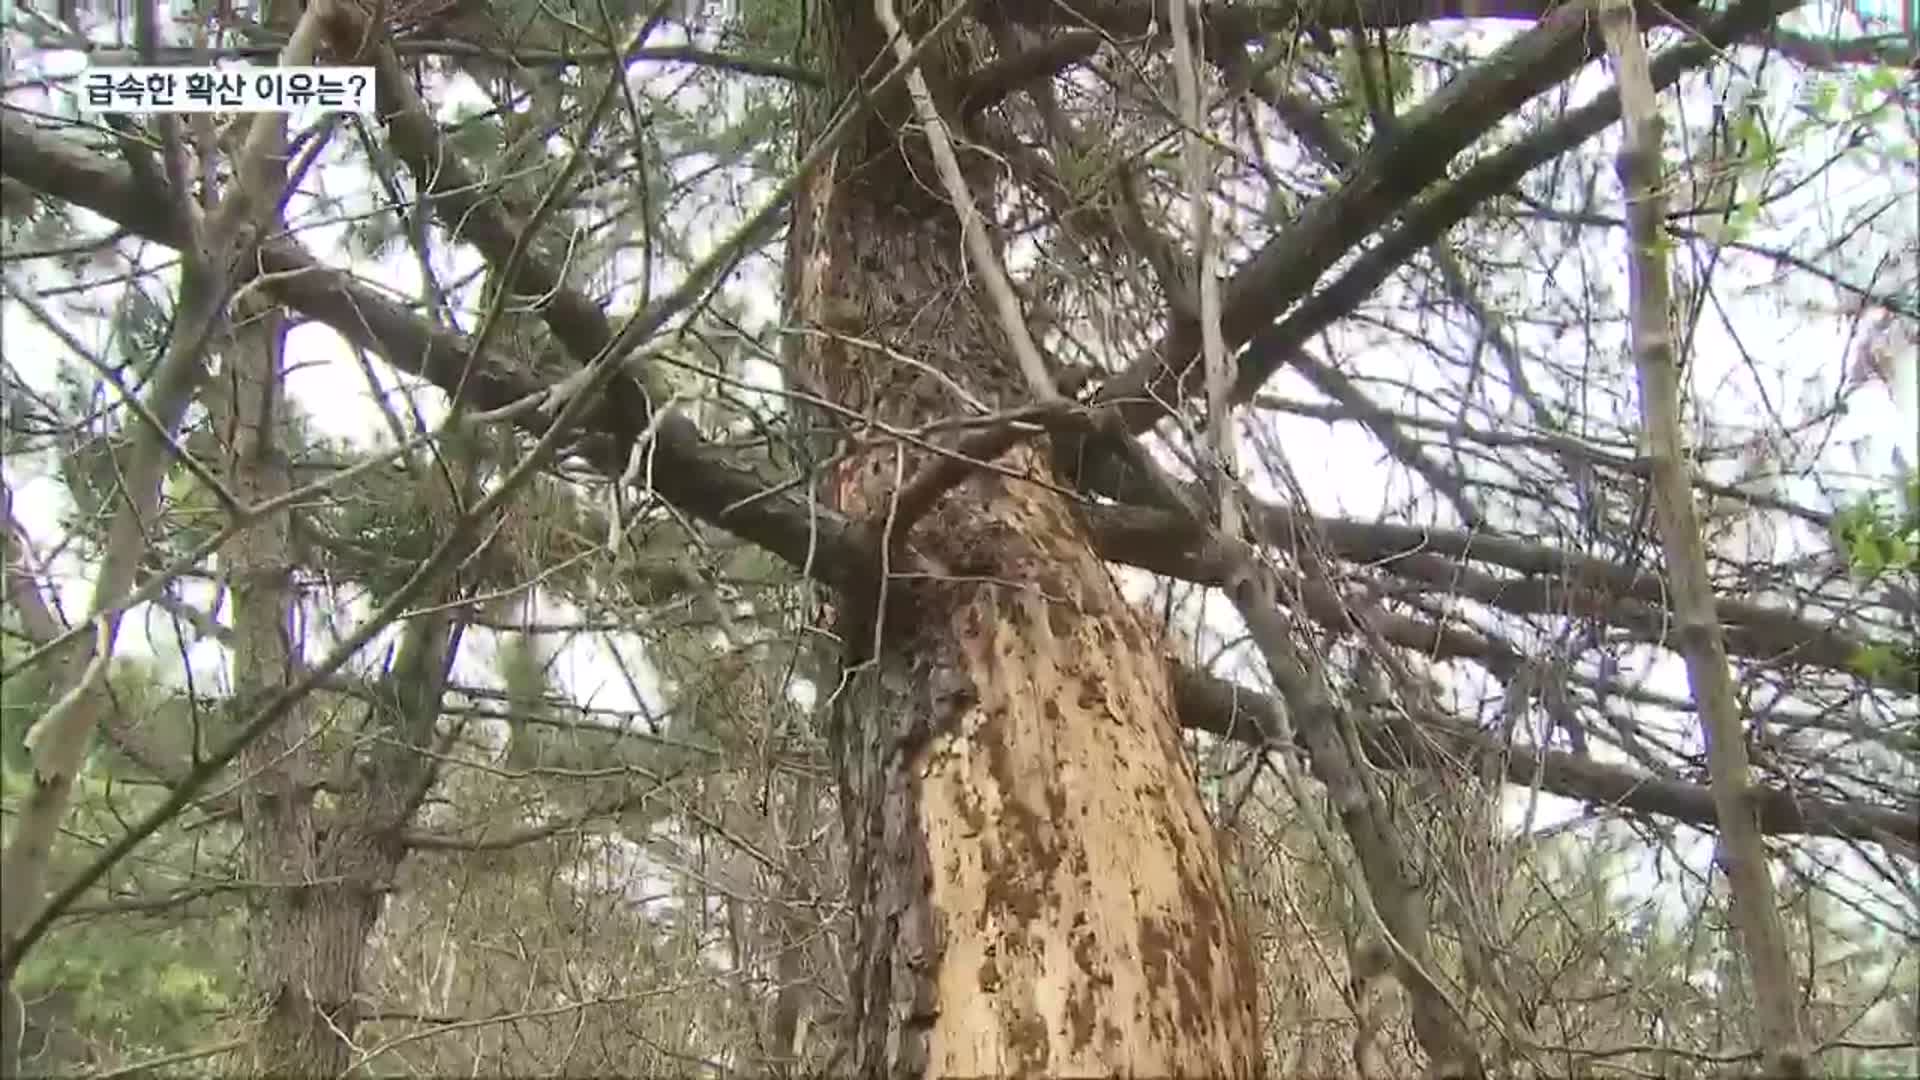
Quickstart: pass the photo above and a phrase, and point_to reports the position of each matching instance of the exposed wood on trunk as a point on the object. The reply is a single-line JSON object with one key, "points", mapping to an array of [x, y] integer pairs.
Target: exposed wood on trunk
{"points": [[1039, 883], [1038, 887]]}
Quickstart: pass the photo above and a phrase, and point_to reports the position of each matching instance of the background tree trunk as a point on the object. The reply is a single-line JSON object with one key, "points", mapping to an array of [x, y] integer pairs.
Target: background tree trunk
{"points": [[307, 933]]}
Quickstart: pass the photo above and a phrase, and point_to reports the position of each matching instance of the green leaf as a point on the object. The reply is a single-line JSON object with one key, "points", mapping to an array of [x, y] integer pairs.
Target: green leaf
{"points": [[1824, 96]]}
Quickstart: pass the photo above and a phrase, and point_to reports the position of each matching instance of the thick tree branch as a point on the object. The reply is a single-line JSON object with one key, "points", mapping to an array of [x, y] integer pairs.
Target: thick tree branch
{"points": [[1327, 732], [1382, 183], [1312, 125], [1212, 704], [1699, 637], [707, 482], [1428, 219], [987, 86], [1551, 581]]}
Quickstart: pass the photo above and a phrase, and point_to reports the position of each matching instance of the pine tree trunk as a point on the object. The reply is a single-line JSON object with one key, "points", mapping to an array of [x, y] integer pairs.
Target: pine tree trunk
{"points": [[307, 919], [307, 926], [1036, 885]]}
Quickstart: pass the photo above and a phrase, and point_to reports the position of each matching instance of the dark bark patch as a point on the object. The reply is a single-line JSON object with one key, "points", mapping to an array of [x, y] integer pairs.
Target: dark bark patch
{"points": [[972, 813], [1085, 946], [1084, 1007], [1081, 1010], [1091, 693], [971, 622], [1027, 1038], [1156, 959], [1015, 617], [1205, 934], [1060, 620], [1008, 889]]}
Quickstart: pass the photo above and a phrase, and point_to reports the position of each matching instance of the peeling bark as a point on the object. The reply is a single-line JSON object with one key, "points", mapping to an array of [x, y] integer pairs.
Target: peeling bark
{"points": [[1037, 887]]}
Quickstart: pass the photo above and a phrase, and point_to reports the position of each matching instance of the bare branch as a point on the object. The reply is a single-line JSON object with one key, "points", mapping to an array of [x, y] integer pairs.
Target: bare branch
{"points": [[1742, 851], [1209, 703]]}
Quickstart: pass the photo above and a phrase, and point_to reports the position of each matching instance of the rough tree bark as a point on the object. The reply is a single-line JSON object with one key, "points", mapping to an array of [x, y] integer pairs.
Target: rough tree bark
{"points": [[306, 931], [303, 946], [1037, 886], [321, 871], [318, 874]]}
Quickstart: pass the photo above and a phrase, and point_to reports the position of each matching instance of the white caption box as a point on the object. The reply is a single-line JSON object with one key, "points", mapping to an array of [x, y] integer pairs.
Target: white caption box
{"points": [[238, 89]]}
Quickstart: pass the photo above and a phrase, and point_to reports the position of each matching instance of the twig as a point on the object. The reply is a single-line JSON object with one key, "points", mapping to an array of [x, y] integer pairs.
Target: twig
{"points": [[166, 1060], [1222, 472]]}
